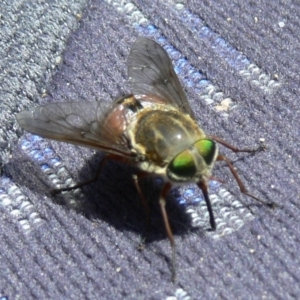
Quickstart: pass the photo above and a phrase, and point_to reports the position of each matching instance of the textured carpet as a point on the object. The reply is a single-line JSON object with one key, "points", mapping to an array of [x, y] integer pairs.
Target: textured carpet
{"points": [[239, 65]]}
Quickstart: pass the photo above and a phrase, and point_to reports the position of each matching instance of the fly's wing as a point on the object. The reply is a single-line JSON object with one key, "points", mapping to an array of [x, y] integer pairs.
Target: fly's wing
{"points": [[82, 123], [151, 72]]}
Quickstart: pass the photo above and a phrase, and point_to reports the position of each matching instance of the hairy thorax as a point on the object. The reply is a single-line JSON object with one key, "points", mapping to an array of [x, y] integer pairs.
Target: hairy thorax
{"points": [[161, 133]]}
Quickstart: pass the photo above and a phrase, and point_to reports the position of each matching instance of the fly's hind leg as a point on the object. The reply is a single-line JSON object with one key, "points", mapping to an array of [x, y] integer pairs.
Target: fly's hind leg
{"points": [[81, 184]]}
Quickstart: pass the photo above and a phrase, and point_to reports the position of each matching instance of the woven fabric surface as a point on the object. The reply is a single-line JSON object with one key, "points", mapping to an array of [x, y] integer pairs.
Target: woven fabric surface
{"points": [[239, 65]]}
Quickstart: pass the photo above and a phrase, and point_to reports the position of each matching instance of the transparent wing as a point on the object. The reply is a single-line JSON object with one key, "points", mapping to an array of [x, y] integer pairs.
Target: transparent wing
{"points": [[150, 71], [83, 123]]}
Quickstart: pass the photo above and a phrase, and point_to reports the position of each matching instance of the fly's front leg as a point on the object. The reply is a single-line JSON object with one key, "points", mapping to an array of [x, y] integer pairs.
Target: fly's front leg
{"points": [[239, 181], [203, 187], [235, 149]]}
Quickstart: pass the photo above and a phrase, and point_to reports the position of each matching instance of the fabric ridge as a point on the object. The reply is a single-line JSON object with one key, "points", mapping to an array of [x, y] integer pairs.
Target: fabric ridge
{"points": [[238, 63]]}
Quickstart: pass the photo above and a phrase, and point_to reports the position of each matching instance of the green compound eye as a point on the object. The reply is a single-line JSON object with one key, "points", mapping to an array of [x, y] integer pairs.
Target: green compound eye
{"points": [[207, 149], [183, 165]]}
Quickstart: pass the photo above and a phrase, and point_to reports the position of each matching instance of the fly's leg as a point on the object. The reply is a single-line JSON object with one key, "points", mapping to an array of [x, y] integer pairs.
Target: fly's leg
{"points": [[203, 187], [136, 178], [162, 202], [239, 181], [234, 172], [81, 184], [235, 149]]}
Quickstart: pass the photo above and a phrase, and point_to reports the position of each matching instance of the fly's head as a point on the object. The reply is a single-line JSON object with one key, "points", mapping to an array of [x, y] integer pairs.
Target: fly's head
{"points": [[193, 164]]}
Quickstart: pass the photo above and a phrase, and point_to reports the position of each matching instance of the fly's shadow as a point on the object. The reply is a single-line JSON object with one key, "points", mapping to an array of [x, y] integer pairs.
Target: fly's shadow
{"points": [[112, 197]]}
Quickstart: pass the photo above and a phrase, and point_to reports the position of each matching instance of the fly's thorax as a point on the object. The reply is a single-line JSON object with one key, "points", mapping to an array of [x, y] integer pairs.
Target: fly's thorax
{"points": [[162, 132], [193, 164]]}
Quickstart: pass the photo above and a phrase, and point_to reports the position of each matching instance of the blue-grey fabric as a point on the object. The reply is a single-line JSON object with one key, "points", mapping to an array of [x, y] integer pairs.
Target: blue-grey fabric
{"points": [[238, 62]]}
